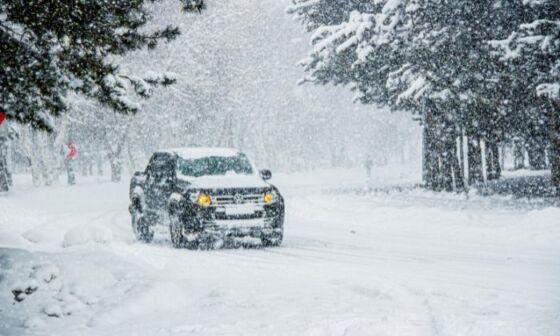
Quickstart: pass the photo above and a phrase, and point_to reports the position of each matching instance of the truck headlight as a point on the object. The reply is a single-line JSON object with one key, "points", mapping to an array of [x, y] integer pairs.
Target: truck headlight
{"points": [[203, 199], [268, 197]]}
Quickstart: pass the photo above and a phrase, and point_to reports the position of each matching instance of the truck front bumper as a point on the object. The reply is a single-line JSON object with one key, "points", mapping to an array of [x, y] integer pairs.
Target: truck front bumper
{"points": [[218, 236], [234, 232], [218, 226]]}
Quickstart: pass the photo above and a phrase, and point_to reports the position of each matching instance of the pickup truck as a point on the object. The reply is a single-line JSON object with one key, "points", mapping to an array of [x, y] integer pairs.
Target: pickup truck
{"points": [[209, 198]]}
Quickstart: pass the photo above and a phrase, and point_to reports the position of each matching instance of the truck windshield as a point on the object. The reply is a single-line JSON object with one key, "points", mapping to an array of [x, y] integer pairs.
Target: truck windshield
{"points": [[214, 165]]}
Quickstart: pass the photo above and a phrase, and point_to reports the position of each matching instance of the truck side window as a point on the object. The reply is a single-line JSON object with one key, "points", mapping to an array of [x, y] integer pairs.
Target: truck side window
{"points": [[161, 167], [151, 166]]}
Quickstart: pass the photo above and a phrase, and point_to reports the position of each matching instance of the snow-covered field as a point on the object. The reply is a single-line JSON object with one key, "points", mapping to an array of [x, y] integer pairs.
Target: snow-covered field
{"points": [[353, 263]]}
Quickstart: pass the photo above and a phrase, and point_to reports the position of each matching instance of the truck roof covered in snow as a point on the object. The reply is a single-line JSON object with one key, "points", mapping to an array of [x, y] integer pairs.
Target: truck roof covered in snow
{"points": [[200, 152]]}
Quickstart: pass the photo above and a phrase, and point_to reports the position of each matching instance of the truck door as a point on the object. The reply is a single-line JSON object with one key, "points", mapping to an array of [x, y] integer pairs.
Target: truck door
{"points": [[160, 180]]}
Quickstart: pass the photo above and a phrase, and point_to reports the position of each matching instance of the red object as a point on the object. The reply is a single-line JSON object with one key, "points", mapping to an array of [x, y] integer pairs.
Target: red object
{"points": [[2, 117], [71, 151]]}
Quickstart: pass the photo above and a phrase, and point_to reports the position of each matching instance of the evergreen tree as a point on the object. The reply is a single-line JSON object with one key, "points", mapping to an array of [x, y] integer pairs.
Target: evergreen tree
{"points": [[532, 51], [317, 13], [437, 59], [424, 56], [49, 47]]}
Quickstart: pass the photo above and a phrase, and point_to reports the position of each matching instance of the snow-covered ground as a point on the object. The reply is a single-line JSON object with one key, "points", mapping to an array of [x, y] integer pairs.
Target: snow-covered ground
{"points": [[385, 262]]}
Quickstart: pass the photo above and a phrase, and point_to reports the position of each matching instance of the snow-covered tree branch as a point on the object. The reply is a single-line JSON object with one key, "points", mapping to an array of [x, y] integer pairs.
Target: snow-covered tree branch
{"points": [[49, 48]]}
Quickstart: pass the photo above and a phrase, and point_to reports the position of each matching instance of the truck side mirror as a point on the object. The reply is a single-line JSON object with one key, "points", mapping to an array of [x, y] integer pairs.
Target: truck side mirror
{"points": [[265, 174]]}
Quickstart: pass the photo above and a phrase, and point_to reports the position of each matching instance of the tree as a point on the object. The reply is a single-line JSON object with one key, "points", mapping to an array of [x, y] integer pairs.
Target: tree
{"points": [[434, 59], [533, 49], [412, 56], [52, 47], [314, 14]]}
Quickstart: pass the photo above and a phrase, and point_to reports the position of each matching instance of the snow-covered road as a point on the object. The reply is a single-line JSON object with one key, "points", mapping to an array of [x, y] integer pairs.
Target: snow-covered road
{"points": [[400, 263]]}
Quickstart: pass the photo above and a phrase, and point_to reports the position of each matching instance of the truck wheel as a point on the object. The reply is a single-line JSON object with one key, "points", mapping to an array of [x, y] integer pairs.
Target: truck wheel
{"points": [[141, 226], [273, 240], [176, 233], [142, 229], [4, 181]]}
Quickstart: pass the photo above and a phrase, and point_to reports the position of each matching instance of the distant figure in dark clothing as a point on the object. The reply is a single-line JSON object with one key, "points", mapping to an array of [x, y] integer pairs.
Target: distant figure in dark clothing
{"points": [[368, 164]]}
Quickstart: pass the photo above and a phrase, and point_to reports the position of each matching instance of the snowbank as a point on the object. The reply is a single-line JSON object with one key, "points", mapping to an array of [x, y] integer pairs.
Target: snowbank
{"points": [[80, 235]]}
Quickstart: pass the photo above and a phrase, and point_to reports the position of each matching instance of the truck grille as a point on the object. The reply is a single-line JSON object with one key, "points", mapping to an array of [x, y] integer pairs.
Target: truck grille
{"points": [[238, 199], [223, 216]]}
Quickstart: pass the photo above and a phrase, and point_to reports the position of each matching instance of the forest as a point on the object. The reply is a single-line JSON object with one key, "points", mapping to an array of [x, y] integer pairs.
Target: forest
{"points": [[193, 86], [481, 79], [477, 75]]}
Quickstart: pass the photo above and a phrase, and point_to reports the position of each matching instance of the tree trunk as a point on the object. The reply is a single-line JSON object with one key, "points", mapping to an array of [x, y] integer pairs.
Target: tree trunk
{"points": [[115, 161], [99, 163], [70, 171], [489, 161], [458, 175], [441, 167], [452, 177], [475, 160], [115, 147], [461, 154], [496, 160], [50, 157], [430, 162], [518, 155], [131, 162], [446, 170], [4, 173], [554, 136], [116, 170], [493, 169], [37, 164], [537, 154], [502, 157]]}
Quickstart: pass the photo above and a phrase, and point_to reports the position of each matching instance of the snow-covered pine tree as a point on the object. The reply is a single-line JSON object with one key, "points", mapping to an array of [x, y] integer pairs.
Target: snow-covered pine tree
{"points": [[448, 67], [410, 55], [50, 47], [317, 13], [433, 58], [360, 51], [533, 50]]}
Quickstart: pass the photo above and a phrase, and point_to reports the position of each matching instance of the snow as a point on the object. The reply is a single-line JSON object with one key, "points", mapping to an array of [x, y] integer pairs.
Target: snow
{"points": [[535, 2], [549, 90], [200, 152], [225, 181], [536, 23], [80, 235], [241, 209], [244, 224], [176, 197], [357, 259], [46, 273]]}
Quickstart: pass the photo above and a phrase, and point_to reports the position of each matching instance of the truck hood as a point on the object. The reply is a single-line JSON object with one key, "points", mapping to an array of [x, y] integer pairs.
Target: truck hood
{"points": [[228, 181]]}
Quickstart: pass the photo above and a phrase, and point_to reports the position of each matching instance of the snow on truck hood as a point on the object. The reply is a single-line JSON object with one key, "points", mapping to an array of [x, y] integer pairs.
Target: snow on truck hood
{"points": [[201, 152], [228, 181]]}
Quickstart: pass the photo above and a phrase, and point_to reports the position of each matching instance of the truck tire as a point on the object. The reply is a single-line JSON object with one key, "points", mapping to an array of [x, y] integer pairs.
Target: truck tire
{"points": [[140, 224], [273, 240], [176, 228], [5, 179], [4, 182]]}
